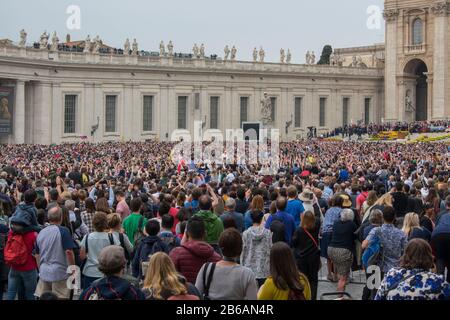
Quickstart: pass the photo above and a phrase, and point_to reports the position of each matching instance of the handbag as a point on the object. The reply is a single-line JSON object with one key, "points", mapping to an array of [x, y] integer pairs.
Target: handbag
{"points": [[316, 244]]}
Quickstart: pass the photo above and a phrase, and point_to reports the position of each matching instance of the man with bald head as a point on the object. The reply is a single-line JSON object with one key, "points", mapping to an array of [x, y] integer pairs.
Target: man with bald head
{"points": [[282, 216], [54, 247], [213, 224]]}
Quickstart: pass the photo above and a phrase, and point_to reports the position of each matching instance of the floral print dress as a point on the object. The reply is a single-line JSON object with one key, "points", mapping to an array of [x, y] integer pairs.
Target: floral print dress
{"points": [[413, 284]]}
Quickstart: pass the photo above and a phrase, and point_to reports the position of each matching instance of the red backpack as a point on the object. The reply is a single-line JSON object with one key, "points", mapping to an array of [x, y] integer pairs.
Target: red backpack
{"points": [[16, 251]]}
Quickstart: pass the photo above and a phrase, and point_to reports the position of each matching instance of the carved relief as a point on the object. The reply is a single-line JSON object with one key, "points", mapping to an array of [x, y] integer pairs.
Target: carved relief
{"points": [[390, 15], [441, 8]]}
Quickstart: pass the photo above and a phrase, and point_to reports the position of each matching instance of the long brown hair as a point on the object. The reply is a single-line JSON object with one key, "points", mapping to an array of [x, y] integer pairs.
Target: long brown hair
{"points": [[418, 255], [102, 205], [308, 221], [258, 203], [283, 269]]}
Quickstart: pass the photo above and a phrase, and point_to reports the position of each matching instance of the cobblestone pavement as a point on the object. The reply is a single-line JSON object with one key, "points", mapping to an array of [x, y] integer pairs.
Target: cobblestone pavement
{"points": [[354, 288]]}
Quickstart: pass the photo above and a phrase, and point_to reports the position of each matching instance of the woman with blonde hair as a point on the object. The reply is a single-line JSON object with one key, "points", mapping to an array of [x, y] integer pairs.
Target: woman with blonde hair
{"points": [[163, 282], [257, 204], [412, 228]]}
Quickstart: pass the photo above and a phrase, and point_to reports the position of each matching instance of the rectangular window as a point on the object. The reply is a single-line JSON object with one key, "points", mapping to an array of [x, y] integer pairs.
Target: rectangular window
{"points": [[244, 109], [182, 112], [298, 112], [367, 103], [70, 106], [345, 104], [214, 113], [110, 114], [273, 100], [322, 106], [147, 116]]}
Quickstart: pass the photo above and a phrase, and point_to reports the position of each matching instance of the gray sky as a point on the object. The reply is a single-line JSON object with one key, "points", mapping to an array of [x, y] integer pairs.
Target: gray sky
{"points": [[296, 24]]}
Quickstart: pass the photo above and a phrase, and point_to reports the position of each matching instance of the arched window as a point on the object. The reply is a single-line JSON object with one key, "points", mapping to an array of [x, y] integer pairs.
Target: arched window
{"points": [[417, 32]]}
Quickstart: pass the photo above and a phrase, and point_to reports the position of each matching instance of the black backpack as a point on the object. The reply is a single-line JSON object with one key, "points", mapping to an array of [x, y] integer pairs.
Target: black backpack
{"points": [[207, 280], [139, 235]]}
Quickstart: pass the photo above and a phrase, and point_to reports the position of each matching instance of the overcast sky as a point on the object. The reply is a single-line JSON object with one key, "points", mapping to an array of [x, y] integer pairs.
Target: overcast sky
{"points": [[296, 24]]}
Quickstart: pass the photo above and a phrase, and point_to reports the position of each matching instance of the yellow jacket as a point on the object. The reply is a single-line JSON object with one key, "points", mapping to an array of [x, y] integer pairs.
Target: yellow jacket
{"points": [[269, 291]]}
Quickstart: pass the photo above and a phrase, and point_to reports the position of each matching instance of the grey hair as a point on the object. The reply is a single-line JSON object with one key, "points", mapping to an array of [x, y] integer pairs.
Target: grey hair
{"points": [[55, 215], [230, 203], [69, 204], [347, 215]]}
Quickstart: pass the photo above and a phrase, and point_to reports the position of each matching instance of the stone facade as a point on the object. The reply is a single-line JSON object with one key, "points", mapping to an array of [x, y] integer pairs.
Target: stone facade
{"points": [[417, 59], [91, 95], [43, 79]]}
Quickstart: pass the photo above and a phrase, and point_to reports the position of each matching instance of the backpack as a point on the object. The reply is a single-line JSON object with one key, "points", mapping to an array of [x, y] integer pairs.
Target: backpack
{"points": [[373, 253], [122, 244], [170, 241], [97, 295], [139, 235], [146, 253], [16, 251], [207, 282], [278, 230]]}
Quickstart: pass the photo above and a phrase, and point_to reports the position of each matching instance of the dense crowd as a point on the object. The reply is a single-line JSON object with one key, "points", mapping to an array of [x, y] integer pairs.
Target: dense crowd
{"points": [[373, 128], [139, 225]]}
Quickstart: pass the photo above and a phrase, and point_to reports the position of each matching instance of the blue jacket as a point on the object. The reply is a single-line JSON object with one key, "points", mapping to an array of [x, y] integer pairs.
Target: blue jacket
{"points": [[26, 216], [288, 221]]}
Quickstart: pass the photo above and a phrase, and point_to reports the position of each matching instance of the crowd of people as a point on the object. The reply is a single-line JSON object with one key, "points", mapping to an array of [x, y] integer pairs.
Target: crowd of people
{"points": [[370, 129], [138, 225]]}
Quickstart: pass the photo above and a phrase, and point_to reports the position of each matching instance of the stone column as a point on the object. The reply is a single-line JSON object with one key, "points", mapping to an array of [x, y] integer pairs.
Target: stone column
{"points": [[58, 114], [42, 129], [87, 109], [401, 85], [19, 113], [309, 107], [99, 111], [392, 35], [430, 96], [172, 104], [127, 126], [285, 111], [137, 113], [163, 116], [226, 110], [440, 59]]}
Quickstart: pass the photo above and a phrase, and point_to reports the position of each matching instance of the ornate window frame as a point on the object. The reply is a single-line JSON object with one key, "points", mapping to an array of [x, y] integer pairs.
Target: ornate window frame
{"points": [[409, 18]]}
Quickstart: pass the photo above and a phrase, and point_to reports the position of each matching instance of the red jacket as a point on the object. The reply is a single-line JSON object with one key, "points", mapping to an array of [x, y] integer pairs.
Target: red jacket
{"points": [[191, 256]]}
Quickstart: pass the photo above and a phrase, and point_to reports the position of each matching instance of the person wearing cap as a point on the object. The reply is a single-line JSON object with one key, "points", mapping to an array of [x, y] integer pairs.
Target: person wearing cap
{"points": [[307, 198], [111, 262], [230, 212]]}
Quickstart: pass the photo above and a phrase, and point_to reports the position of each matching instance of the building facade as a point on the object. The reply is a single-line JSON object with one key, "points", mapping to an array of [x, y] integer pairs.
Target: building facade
{"points": [[417, 60], [64, 97], [59, 96]]}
